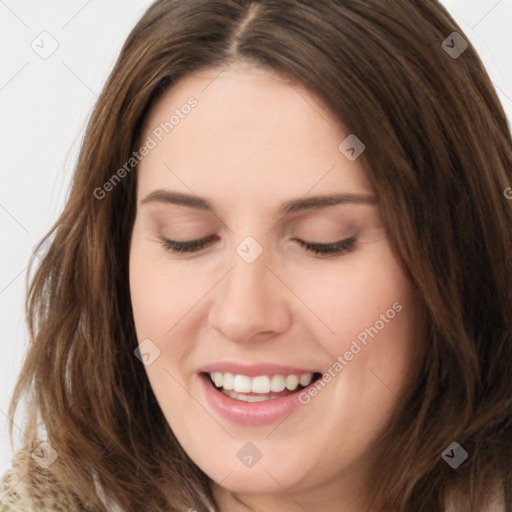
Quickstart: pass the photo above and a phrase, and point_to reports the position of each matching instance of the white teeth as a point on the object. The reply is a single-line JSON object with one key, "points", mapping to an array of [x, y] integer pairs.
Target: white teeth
{"points": [[292, 381], [305, 380], [247, 398], [228, 381], [242, 384], [218, 379], [260, 384], [277, 383], [263, 384]]}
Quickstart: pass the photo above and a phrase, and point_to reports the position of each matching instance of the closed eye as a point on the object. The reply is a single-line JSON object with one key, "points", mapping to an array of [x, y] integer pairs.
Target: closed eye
{"points": [[341, 247], [335, 248]]}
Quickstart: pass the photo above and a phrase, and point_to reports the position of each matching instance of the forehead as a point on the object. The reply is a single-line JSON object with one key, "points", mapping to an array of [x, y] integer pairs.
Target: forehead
{"points": [[249, 130]]}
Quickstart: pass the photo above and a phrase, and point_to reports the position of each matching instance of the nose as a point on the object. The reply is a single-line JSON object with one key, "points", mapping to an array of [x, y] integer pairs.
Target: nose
{"points": [[251, 302]]}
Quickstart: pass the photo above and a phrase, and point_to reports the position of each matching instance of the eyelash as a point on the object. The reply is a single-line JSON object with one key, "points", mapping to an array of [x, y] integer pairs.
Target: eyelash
{"points": [[333, 249]]}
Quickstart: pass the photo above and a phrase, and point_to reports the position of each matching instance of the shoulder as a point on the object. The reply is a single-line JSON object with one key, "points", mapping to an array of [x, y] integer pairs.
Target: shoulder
{"points": [[31, 485]]}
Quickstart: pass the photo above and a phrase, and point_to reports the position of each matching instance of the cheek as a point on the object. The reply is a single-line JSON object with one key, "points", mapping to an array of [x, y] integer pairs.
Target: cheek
{"points": [[156, 310], [349, 296], [158, 290], [165, 302], [368, 313]]}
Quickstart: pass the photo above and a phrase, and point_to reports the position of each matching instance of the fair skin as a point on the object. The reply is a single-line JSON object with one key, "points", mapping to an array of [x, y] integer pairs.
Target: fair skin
{"points": [[252, 143]]}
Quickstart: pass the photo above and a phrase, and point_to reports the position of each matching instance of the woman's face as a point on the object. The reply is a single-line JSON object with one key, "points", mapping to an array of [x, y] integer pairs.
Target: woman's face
{"points": [[251, 158]]}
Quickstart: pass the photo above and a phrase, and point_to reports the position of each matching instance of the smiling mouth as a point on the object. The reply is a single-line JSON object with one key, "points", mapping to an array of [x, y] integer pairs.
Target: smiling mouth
{"points": [[260, 388]]}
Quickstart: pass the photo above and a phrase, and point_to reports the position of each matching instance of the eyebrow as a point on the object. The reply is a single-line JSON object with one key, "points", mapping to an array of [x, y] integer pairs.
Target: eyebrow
{"points": [[294, 205]]}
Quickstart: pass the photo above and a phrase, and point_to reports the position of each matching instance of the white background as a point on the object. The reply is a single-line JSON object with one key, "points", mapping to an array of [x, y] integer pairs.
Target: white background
{"points": [[44, 106]]}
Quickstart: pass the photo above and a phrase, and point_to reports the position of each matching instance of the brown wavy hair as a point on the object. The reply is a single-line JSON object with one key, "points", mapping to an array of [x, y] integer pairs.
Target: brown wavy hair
{"points": [[439, 152]]}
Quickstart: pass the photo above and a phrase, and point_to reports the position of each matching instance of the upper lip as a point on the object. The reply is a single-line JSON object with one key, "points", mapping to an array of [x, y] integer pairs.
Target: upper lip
{"points": [[253, 370]]}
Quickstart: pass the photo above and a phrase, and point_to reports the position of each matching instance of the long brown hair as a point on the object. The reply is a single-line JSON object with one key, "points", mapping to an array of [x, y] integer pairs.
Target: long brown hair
{"points": [[439, 152]]}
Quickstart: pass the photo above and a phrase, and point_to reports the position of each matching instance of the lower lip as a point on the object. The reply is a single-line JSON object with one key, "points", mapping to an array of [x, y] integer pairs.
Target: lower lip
{"points": [[249, 413]]}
